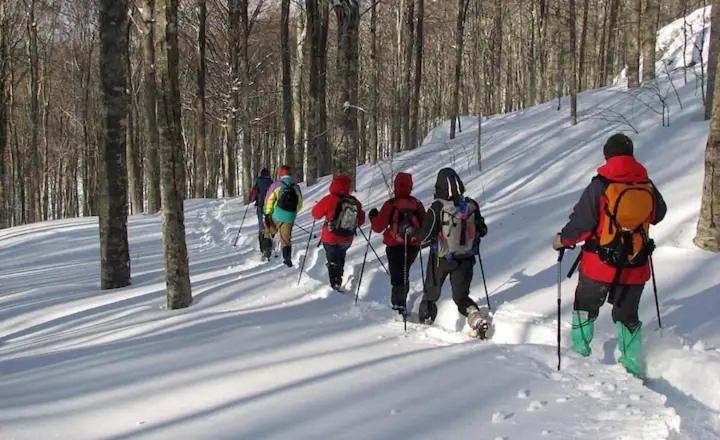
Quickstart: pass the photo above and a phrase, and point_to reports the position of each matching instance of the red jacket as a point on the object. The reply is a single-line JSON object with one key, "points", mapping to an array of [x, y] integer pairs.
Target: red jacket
{"points": [[327, 206], [403, 200], [586, 221]]}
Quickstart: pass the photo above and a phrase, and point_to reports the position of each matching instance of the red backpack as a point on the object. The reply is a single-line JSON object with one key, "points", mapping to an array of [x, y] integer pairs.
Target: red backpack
{"points": [[404, 215]]}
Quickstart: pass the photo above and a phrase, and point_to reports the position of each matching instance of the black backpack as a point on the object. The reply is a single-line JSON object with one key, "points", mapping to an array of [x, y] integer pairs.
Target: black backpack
{"points": [[289, 198]]}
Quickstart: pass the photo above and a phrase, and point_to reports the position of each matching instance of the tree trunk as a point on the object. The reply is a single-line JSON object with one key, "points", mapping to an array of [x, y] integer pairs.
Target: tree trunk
{"points": [[459, 39], [172, 163], [201, 151], [287, 84], [318, 151], [612, 31], [633, 51], [406, 85], [649, 25], [113, 207], [347, 13], [4, 99], [583, 48], [152, 161], [32, 166], [708, 229], [374, 86], [247, 21], [298, 95], [230, 157], [713, 57], [572, 26], [134, 171], [415, 109]]}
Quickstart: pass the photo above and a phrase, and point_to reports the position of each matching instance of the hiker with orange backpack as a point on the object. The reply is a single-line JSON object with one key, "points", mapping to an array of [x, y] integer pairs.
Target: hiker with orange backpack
{"points": [[343, 214], [613, 218], [398, 217]]}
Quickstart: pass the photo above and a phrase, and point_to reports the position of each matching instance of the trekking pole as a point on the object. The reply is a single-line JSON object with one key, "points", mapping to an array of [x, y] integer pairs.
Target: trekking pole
{"points": [[482, 271], [422, 269], [362, 268], [406, 282], [242, 222], [374, 252], [307, 248], [657, 304], [561, 253]]}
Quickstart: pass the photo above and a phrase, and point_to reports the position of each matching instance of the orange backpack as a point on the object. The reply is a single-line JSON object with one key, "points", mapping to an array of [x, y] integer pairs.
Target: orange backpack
{"points": [[624, 224]]}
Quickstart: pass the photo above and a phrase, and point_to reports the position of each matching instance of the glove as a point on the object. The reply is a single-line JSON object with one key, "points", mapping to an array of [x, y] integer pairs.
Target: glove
{"points": [[482, 230], [373, 213], [557, 243], [267, 220]]}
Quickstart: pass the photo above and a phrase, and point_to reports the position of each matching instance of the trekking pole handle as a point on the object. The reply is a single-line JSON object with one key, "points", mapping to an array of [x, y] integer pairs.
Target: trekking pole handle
{"points": [[561, 254]]}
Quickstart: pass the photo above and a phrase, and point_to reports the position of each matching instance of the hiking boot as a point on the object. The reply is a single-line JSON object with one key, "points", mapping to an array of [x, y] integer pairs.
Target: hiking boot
{"points": [[583, 329], [397, 297], [287, 256], [630, 345], [427, 312]]}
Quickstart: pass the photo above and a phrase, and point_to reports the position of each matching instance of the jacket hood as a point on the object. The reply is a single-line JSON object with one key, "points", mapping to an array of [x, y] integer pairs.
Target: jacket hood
{"points": [[340, 185], [286, 179], [623, 169], [403, 185], [448, 185]]}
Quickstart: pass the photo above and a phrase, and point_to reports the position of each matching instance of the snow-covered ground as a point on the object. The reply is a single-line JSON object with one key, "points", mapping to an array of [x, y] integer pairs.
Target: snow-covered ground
{"points": [[258, 357]]}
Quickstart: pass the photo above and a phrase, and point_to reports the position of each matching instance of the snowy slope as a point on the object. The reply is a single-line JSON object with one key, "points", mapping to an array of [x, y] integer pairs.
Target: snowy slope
{"points": [[257, 357]]}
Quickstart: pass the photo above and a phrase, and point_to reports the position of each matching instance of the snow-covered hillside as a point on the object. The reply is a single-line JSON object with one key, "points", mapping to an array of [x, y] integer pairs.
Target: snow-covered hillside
{"points": [[258, 357]]}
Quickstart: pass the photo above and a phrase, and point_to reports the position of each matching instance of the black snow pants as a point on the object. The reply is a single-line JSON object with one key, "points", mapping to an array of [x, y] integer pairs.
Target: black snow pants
{"points": [[335, 254], [399, 274], [590, 295], [460, 271]]}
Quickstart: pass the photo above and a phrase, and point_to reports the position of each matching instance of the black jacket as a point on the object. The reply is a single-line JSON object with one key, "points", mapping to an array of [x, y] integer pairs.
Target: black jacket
{"points": [[447, 187]]}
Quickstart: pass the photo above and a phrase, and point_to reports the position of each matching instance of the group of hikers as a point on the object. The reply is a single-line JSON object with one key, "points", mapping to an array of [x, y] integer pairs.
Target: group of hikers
{"points": [[611, 219]]}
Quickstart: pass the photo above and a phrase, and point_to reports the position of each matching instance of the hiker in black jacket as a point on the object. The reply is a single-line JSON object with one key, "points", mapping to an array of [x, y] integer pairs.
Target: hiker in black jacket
{"points": [[453, 227], [257, 195]]}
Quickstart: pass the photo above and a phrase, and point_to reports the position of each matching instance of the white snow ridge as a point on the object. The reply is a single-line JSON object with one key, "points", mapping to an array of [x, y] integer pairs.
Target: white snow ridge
{"points": [[257, 357]]}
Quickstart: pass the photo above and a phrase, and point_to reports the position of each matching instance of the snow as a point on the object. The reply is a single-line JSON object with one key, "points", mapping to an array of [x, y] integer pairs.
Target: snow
{"points": [[257, 357]]}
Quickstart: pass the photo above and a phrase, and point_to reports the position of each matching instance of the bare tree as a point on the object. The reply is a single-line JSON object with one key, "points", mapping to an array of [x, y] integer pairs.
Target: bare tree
{"points": [[347, 13], [649, 31], [172, 162], [415, 108], [201, 155], [459, 40], [152, 141], [317, 24], [633, 50], [572, 25], [298, 75], [287, 83], [708, 229], [713, 57], [4, 71], [113, 207]]}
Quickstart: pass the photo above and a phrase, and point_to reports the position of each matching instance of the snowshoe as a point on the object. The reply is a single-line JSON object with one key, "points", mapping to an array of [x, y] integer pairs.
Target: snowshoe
{"points": [[479, 321]]}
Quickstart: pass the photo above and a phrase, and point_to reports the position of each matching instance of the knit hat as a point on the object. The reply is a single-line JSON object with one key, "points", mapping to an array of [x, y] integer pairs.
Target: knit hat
{"points": [[285, 170], [264, 172], [618, 145]]}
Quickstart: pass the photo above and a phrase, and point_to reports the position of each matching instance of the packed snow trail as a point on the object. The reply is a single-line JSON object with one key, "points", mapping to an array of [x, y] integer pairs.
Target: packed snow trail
{"points": [[256, 357]]}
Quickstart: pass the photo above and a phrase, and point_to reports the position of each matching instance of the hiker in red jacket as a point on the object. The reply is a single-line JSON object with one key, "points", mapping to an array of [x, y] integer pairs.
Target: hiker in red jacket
{"points": [[613, 219], [343, 214], [397, 217]]}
